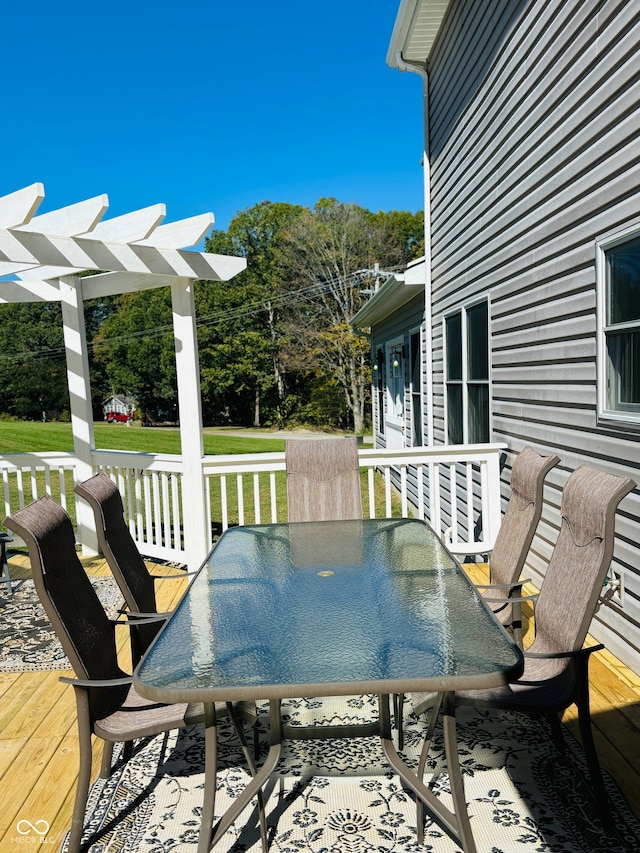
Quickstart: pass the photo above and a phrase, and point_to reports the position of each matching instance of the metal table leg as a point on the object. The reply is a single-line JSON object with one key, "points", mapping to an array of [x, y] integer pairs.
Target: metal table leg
{"points": [[455, 822]]}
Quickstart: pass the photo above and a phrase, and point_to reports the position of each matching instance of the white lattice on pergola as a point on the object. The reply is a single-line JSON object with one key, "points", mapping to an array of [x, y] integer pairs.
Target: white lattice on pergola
{"points": [[45, 256]]}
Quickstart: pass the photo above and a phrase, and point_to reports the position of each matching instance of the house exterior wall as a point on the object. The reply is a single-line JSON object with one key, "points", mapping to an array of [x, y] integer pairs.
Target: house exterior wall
{"points": [[399, 326], [534, 112]]}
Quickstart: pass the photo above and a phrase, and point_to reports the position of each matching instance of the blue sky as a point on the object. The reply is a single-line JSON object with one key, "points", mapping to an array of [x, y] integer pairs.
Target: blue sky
{"points": [[208, 106]]}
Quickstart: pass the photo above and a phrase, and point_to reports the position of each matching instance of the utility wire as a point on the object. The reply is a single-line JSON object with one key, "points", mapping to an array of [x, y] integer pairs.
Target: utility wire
{"points": [[304, 294]]}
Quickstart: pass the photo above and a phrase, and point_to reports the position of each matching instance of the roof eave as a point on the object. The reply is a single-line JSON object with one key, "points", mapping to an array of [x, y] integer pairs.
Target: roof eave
{"points": [[415, 31], [394, 293]]}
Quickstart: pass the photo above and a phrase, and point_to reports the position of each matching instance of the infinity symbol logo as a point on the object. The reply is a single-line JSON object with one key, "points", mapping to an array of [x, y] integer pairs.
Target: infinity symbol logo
{"points": [[40, 827]]}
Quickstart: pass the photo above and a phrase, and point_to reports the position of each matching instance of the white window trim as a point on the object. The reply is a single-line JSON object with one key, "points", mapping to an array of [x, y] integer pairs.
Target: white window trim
{"points": [[603, 245], [420, 331], [463, 311]]}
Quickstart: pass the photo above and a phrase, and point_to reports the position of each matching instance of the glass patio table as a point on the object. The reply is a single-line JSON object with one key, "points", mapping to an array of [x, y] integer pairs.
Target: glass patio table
{"points": [[337, 608]]}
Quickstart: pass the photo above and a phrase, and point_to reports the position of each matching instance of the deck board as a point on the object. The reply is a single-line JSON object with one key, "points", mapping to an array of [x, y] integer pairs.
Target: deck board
{"points": [[39, 746]]}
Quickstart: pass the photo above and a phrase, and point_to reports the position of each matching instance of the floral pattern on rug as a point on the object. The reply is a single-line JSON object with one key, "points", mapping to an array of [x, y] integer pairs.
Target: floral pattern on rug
{"points": [[27, 641], [341, 796]]}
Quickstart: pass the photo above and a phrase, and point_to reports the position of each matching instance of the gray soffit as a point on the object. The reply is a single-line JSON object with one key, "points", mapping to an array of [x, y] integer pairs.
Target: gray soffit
{"points": [[393, 294], [415, 31]]}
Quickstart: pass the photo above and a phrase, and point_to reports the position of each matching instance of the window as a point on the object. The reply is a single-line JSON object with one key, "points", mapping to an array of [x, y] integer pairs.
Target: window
{"points": [[467, 375], [415, 356], [619, 316]]}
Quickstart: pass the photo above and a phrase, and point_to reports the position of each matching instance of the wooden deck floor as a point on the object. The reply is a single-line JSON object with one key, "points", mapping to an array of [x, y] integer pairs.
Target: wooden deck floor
{"points": [[39, 748]]}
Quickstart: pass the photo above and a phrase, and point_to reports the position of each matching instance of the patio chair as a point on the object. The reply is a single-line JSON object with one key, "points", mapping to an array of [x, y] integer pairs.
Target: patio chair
{"points": [[108, 705], [323, 479], [123, 558], [514, 538], [556, 664]]}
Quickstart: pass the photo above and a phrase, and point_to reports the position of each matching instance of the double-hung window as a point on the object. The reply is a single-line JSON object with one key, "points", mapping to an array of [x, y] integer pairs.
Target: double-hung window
{"points": [[467, 375], [415, 360], [619, 326]]}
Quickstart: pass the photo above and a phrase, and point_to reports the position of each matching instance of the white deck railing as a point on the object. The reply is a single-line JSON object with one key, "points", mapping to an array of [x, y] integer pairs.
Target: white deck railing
{"points": [[456, 489]]}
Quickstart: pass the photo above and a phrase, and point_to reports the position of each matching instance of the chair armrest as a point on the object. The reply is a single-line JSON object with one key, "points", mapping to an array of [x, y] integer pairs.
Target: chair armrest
{"points": [[138, 618], [514, 599], [88, 682], [174, 577], [514, 585], [576, 653]]}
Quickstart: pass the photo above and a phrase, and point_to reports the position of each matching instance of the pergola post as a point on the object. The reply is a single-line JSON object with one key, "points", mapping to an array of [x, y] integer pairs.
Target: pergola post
{"points": [[41, 258], [194, 511], [75, 343]]}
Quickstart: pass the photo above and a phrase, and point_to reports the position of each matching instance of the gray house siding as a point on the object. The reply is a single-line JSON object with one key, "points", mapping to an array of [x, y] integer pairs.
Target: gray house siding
{"points": [[535, 155]]}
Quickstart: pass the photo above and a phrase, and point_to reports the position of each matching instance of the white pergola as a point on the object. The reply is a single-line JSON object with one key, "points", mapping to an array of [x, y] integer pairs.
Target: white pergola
{"points": [[44, 257]]}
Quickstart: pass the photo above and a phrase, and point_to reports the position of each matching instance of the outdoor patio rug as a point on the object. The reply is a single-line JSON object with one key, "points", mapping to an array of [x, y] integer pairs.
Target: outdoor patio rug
{"points": [[340, 796], [27, 640]]}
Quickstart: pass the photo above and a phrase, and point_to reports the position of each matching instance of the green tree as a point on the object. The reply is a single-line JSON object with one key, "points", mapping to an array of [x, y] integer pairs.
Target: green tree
{"points": [[135, 345], [329, 254], [239, 322], [33, 375]]}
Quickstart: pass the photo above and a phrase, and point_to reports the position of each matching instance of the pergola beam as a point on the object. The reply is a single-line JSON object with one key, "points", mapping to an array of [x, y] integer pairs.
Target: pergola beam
{"points": [[47, 254], [74, 219], [180, 234], [84, 253], [19, 207]]}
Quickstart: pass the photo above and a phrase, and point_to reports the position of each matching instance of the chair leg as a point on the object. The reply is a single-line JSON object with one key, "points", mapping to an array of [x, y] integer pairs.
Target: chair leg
{"points": [[84, 772], [210, 772], [107, 758], [588, 744], [556, 730], [398, 713]]}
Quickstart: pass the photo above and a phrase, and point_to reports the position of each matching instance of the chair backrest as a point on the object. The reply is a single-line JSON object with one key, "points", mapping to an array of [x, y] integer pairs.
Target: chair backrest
{"points": [[580, 561], [522, 515], [117, 544], [323, 479], [68, 597]]}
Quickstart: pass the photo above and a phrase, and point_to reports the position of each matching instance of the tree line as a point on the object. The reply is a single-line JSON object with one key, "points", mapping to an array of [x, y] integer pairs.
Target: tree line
{"points": [[275, 343]]}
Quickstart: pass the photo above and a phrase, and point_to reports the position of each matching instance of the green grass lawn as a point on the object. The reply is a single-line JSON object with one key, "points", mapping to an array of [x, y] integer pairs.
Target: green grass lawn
{"points": [[33, 436]]}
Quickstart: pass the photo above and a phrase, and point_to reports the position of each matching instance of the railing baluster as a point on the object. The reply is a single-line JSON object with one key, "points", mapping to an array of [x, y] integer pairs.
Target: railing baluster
{"points": [[273, 497], [167, 538], [453, 500], [63, 485], [434, 492], [372, 493], [469, 494], [387, 491], [7, 493], [223, 502], [256, 498], [420, 481], [403, 491], [240, 491], [20, 485], [176, 512]]}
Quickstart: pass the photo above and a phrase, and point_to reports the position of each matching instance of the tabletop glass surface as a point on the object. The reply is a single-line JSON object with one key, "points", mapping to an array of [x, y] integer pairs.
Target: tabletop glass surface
{"points": [[326, 603]]}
